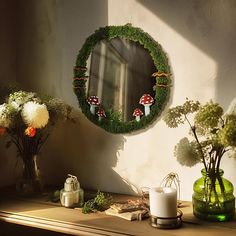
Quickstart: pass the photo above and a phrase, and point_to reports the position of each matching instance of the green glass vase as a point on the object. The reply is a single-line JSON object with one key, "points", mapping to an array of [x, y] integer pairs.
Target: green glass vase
{"points": [[213, 197]]}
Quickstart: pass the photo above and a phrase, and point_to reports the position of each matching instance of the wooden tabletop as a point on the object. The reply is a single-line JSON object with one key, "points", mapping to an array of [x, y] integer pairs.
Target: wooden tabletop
{"points": [[41, 213]]}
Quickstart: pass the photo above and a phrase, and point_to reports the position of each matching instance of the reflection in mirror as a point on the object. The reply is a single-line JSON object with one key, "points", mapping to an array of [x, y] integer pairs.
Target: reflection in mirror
{"points": [[119, 74], [114, 69]]}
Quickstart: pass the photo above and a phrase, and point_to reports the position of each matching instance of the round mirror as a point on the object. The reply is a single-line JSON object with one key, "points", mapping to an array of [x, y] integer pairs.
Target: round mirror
{"points": [[121, 78], [117, 69]]}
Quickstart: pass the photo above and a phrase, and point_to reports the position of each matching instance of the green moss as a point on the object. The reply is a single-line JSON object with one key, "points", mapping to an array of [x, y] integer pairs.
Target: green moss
{"points": [[160, 61]]}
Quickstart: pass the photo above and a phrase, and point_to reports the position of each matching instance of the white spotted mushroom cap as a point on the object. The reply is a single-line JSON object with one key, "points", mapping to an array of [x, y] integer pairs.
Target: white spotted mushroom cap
{"points": [[101, 112], [137, 112], [146, 99], [93, 100]]}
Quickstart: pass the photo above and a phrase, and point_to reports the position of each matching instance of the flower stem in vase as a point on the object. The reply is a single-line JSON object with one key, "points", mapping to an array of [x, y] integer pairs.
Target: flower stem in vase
{"points": [[28, 119], [213, 197], [30, 183]]}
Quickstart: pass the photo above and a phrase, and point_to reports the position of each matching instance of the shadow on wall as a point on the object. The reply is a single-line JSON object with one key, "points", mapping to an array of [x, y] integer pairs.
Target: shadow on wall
{"points": [[50, 34], [9, 163], [8, 41], [209, 25], [86, 151]]}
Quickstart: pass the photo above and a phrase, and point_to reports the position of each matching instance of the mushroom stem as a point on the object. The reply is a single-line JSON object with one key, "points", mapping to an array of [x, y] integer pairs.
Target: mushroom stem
{"points": [[99, 118], [137, 118], [92, 109], [147, 109]]}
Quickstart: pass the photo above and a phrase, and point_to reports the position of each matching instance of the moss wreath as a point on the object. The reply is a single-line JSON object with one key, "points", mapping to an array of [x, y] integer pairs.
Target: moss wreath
{"points": [[163, 82]]}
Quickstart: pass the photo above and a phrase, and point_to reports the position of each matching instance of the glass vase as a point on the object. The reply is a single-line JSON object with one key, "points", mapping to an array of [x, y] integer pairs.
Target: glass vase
{"points": [[213, 197], [30, 183]]}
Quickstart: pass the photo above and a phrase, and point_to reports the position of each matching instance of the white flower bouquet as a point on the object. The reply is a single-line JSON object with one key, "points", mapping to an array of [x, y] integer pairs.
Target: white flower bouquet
{"points": [[26, 120]]}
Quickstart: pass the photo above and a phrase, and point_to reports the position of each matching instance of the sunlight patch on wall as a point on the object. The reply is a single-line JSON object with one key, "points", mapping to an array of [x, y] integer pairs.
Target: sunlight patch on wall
{"points": [[194, 71], [148, 156]]}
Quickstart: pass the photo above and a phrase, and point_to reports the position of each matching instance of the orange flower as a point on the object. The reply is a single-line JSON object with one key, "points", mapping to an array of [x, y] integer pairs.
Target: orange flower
{"points": [[30, 131], [2, 131]]}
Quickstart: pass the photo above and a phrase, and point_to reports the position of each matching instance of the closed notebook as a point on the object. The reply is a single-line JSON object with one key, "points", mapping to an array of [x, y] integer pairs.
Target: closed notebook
{"points": [[132, 215]]}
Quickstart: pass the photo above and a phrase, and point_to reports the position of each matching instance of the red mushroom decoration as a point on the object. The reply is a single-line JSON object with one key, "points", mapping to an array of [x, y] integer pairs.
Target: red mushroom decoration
{"points": [[146, 100], [93, 101], [137, 113], [101, 113]]}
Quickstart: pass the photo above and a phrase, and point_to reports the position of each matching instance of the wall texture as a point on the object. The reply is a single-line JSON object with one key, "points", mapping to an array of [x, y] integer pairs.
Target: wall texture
{"points": [[198, 37], [7, 41], [7, 75]]}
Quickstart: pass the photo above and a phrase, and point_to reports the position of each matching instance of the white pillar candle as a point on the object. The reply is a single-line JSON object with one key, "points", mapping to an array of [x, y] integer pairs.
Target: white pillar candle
{"points": [[163, 203]]}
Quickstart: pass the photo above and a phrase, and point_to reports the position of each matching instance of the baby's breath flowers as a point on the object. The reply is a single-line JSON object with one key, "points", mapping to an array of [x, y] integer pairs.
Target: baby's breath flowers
{"points": [[5, 115]]}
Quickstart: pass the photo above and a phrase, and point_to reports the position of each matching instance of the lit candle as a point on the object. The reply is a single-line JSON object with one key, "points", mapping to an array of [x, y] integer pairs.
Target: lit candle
{"points": [[163, 203]]}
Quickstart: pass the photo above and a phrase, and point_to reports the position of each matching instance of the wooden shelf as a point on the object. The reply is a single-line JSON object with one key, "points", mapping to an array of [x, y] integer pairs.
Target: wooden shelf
{"points": [[41, 213]]}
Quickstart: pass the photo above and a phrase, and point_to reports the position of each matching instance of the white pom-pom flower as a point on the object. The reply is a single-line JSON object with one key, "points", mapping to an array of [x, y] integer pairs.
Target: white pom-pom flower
{"points": [[15, 105], [35, 115]]}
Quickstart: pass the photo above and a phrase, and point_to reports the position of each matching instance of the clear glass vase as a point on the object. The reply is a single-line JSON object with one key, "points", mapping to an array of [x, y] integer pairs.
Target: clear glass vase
{"points": [[30, 183], [213, 197]]}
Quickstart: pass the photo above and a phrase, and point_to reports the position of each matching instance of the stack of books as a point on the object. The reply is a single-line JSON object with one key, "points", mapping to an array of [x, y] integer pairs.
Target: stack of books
{"points": [[129, 210]]}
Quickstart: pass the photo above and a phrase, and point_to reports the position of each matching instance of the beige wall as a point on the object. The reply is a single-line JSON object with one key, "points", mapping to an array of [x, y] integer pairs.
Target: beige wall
{"points": [[198, 37], [199, 40], [7, 41], [7, 75]]}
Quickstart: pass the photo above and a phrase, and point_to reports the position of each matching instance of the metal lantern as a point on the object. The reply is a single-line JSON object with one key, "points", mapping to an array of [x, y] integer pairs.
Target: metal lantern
{"points": [[72, 194]]}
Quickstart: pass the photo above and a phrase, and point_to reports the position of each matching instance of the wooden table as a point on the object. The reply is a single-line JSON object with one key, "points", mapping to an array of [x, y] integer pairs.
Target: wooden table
{"points": [[42, 214]]}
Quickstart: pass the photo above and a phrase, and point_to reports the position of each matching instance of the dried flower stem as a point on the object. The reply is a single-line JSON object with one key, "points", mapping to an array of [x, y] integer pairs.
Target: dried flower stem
{"points": [[196, 138]]}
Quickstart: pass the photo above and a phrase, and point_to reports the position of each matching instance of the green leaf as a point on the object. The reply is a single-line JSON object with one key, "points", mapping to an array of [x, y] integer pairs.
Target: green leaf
{"points": [[101, 202]]}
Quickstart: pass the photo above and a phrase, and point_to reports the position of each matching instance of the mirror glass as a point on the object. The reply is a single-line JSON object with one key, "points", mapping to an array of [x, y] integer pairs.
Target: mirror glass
{"points": [[120, 72], [116, 67]]}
